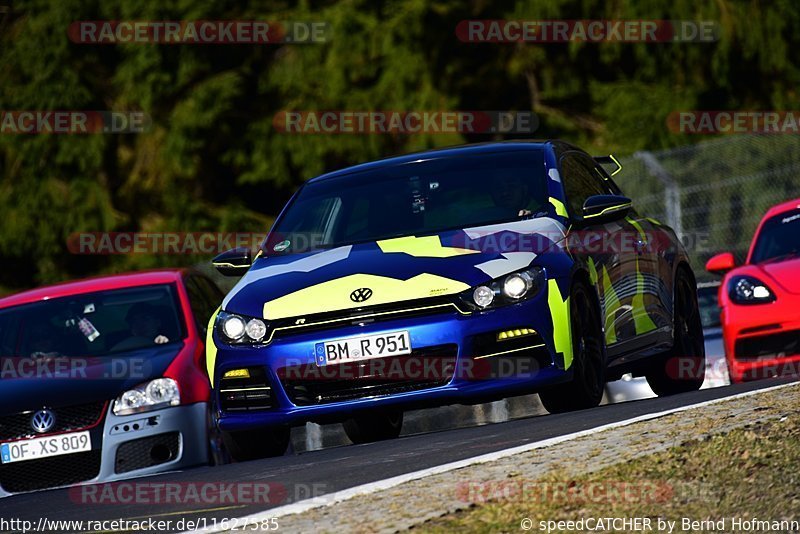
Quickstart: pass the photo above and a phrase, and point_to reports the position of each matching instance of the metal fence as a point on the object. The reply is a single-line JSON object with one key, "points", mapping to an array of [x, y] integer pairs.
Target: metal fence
{"points": [[714, 193]]}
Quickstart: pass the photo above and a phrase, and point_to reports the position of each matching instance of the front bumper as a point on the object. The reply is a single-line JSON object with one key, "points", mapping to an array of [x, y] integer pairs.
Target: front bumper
{"points": [[478, 367], [125, 447], [763, 341]]}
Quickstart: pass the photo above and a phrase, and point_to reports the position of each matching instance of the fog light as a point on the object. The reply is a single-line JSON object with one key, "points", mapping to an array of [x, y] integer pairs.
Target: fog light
{"points": [[517, 332], [237, 373]]}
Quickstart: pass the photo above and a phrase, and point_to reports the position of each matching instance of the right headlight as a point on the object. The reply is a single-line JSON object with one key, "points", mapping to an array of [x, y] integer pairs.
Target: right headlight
{"points": [[240, 329], [749, 290], [153, 395], [506, 289]]}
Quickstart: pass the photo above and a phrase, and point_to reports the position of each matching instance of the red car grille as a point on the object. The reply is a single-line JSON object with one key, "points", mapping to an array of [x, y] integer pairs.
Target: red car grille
{"points": [[769, 346], [68, 418]]}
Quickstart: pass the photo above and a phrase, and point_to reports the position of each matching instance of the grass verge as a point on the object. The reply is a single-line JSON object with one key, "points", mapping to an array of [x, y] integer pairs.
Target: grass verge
{"points": [[716, 484]]}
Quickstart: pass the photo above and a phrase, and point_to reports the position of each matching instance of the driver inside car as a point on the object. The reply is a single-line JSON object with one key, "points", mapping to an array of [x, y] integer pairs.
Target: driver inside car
{"points": [[145, 326]]}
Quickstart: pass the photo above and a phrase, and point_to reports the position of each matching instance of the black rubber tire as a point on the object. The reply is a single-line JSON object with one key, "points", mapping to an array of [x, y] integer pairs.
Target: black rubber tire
{"points": [[255, 444], [217, 450], [372, 427], [683, 368], [585, 390]]}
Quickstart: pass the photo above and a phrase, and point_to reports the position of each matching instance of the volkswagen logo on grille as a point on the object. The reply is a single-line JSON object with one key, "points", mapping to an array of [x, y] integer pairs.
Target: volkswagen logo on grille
{"points": [[361, 294], [43, 421]]}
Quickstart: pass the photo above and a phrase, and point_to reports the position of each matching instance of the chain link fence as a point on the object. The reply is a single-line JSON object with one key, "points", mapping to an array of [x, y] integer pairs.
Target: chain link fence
{"points": [[714, 193]]}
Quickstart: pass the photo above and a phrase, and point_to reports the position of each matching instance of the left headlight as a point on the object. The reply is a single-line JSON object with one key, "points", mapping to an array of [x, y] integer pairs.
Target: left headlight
{"points": [[749, 290], [239, 329], [158, 393], [506, 289]]}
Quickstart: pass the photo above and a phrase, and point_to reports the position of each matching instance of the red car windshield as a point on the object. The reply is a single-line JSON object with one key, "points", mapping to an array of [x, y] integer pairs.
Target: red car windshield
{"points": [[779, 238], [92, 324]]}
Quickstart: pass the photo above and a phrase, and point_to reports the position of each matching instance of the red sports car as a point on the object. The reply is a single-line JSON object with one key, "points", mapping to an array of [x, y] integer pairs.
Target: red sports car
{"points": [[760, 300]]}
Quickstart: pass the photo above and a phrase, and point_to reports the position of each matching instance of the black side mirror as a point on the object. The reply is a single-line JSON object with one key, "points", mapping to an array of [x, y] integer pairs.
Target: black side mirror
{"points": [[234, 262], [599, 209]]}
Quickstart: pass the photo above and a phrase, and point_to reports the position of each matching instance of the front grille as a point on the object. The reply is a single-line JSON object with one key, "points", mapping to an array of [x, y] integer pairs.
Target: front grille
{"points": [[50, 472], [245, 394], [147, 452], [422, 369], [769, 346], [365, 315], [68, 418]]}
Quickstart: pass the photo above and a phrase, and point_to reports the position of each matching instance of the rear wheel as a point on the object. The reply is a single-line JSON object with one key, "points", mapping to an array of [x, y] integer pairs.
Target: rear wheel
{"points": [[588, 363], [683, 368], [376, 426], [254, 444]]}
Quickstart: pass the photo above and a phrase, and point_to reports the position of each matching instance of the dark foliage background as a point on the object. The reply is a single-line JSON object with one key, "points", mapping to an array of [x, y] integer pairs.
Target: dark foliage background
{"points": [[213, 161]]}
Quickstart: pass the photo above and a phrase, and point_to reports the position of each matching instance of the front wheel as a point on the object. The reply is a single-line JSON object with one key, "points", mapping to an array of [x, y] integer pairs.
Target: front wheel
{"points": [[217, 451], [255, 444], [374, 427], [683, 368], [588, 363]]}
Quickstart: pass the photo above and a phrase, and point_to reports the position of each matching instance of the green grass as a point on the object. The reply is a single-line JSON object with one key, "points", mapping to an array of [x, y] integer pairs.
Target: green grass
{"points": [[748, 473]]}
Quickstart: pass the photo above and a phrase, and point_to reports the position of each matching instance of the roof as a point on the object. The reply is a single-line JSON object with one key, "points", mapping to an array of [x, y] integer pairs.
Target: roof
{"points": [[462, 150], [88, 285], [783, 208]]}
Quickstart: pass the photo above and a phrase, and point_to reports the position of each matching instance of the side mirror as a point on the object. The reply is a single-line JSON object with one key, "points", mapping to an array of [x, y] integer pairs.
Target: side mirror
{"points": [[721, 263], [599, 209], [234, 262]]}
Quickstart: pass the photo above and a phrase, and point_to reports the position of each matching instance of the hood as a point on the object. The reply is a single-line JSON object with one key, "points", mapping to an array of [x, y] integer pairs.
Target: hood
{"points": [[783, 274], [391, 270], [29, 384]]}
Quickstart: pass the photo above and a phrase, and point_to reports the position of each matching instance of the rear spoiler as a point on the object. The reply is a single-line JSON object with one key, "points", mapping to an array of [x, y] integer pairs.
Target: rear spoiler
{"points": [[609, 160]]}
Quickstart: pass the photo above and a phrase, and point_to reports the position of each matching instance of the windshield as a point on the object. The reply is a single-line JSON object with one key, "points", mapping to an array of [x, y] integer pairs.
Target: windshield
{"points": [[411, 199], [779, 238], [92, 324]]}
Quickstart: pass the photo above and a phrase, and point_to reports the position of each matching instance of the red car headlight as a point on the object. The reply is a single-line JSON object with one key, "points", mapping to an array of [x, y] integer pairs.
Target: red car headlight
{"points": [[749, 290]]}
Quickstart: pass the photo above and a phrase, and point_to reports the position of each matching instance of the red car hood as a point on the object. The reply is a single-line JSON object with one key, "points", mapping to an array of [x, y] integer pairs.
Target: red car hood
{"points": [[783, 274]]}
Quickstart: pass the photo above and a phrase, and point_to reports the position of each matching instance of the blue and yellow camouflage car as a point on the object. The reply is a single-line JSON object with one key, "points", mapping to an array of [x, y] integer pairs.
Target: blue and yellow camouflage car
{"points": [[452, 276]]}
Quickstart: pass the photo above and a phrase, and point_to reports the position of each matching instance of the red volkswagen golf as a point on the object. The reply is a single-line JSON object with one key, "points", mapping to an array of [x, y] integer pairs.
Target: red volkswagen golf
{"points": [[102, 379], [760, 300]]}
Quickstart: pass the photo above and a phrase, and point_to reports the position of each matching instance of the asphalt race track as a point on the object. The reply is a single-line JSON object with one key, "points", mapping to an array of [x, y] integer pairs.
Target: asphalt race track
{"points": [[338, 468]]}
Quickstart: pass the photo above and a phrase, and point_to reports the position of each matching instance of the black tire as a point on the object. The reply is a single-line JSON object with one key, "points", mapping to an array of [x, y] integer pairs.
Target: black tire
{"points": [[376, 426], [585, 390], [255, 444], [683, 368], [217, 450]]}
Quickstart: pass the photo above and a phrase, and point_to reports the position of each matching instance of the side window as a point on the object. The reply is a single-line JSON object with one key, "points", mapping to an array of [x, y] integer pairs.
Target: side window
{"points": [[604, 181], [580, 181]]}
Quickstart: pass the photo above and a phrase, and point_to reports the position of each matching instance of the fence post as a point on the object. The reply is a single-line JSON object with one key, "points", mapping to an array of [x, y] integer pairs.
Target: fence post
{"points": [[672, 191]]}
